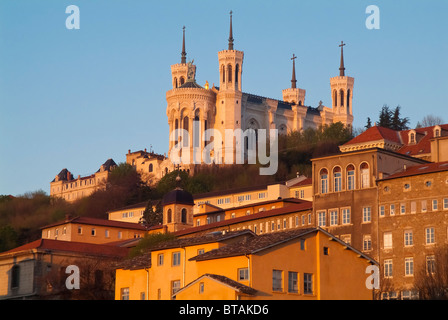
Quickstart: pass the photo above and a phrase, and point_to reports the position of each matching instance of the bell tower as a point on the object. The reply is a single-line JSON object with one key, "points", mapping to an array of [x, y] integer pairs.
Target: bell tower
{"points": [[294, 95], [179, 71], [228, 100], [342, 94]]}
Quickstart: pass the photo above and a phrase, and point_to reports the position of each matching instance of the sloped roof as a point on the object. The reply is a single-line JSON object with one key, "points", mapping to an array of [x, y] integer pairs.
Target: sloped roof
{"points": [[374, 134], [98, 222], [239, 287], [301, 205], [420, 169], [71, 246]]}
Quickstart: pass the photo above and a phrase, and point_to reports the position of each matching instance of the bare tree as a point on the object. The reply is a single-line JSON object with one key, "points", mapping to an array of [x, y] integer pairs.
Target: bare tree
{"points": [[431, 280], [429, 121]]}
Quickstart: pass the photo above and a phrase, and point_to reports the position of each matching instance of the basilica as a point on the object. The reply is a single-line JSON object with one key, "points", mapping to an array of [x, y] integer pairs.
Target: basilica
{"points": [[194, 109]]}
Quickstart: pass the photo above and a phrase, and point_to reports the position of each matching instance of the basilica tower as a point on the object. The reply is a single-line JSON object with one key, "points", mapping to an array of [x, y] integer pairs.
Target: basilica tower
{"points": [[342, 94]]}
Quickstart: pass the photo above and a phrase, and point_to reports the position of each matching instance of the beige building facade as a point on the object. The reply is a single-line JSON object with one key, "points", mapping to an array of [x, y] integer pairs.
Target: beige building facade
{"points": [[65, 186]]}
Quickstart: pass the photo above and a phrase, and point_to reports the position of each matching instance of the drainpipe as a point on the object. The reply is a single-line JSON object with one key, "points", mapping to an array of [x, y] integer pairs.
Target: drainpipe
{"points": [[249, 271], [184, 267], [147, 283]]}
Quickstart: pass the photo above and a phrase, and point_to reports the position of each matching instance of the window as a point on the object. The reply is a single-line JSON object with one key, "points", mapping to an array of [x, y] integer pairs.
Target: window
{"points": [[407, 187], [175, 286], [248, 197], [302, 244], [388, 268], [321, 219], [323, 181], [382, 211], [430, 236], [435, 205], [221, 201], [243, 274], [409, 266], [345, 216], [307, 283], [408, 238], [176, 259], [169, 216], [392, 210], [430, 264], [333, 217], [413, 207], [367, 242], [387, 239], [402, 208], [366, 214], [337, 179], [120, 235], [365, 175], [325, 251], [277, 280], [160, 259], [79, 230], [106, 233], [262, 195], [350, 177], [445, 204], [201, 287], [424, 208], [184, 215], [93, 232], [124, 293], [201, 251], [240, 198], [293, 282]]}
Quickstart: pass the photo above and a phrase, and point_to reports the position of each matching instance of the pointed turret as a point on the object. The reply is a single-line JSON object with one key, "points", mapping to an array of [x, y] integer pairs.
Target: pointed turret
{"points": [[293, 79], [183, 54], [341, 67], [231, 33]]}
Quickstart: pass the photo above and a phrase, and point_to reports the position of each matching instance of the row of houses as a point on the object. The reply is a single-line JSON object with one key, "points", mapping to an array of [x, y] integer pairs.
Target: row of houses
{"points": [[381, 201]]}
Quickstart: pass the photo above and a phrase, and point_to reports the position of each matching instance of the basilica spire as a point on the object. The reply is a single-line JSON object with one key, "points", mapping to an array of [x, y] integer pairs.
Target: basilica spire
{"points": [[293, 79], [342, 68], [231, 33], [184, 54]]}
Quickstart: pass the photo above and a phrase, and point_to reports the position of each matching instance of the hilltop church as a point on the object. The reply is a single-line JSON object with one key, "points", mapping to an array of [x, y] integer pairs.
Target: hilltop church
{"points": [[195, 109]]}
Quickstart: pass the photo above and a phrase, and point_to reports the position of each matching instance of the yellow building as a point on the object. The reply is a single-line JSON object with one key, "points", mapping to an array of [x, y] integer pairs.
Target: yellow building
{"points": [[92, 230], [306, 263]]}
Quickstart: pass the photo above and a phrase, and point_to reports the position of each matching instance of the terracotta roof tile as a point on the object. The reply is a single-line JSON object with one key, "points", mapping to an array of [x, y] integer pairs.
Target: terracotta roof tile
{"points": [[420, 169], [74, 247], [98, 222]]}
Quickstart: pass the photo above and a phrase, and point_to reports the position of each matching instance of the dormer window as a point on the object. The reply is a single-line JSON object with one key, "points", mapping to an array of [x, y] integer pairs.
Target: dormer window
{"points": [[437, 131], [412, 138]]}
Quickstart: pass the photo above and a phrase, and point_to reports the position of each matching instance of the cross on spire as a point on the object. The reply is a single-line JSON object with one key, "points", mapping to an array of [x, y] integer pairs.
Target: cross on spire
{"points": [[293, 80], [341, 67]]}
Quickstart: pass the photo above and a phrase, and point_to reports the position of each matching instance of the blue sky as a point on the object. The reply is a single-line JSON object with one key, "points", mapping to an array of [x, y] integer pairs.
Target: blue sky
{"points": [[74, 98]]}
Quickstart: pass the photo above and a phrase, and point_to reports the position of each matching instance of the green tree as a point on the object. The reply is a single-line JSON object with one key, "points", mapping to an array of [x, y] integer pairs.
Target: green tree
{"points": [[153, 214], [8, 238], [148, 241], [369, 123]]}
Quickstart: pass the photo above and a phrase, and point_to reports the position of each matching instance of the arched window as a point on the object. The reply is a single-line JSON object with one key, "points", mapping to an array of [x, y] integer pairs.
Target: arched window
{"points": [[237, 70], [365, 175], [348, 100], [196, 129], [184, 215], [182, 80], [411, 137], [341, 93], [323, 181], [223, 72], [335, 98], [175, 82], [300, 102], [229, 73], [185, 137], [350, 177], [169, 216], [337, 179], [150, 169], [176, 132]]}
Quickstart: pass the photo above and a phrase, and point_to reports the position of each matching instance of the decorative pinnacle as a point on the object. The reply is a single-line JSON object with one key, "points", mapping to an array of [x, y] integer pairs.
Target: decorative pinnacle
{"points": [[342, 68], [231, 33], [293, 80], [184, 54]]}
